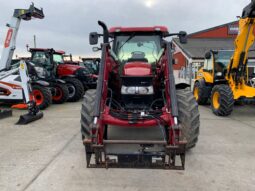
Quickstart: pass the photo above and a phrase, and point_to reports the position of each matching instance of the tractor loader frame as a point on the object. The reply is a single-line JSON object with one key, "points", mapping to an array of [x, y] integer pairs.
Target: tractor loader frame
{"points": [[95, 137]]}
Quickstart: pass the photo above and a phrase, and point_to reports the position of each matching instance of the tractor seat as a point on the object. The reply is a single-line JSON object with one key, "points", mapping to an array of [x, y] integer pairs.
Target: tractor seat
{"points": [[137, 56], [137, 59]]}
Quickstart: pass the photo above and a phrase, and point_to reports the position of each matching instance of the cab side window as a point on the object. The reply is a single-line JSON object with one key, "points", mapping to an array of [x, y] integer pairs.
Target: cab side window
{"points": [[208, 64]]}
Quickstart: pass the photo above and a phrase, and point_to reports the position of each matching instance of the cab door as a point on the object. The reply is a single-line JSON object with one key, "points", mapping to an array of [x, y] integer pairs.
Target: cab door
{"points": [[208, 69]]}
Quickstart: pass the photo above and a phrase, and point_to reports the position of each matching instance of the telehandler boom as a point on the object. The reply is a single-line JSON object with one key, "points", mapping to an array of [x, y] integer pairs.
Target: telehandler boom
{"points": [[15, 83]]}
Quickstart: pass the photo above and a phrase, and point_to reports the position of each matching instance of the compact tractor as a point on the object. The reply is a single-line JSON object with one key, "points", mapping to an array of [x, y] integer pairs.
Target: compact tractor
{"points": [[224, 78], [136, 90]]}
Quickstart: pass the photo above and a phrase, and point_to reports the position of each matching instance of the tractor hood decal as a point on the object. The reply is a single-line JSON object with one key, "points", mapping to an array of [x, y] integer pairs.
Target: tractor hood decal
{"points": [[137, 69]]}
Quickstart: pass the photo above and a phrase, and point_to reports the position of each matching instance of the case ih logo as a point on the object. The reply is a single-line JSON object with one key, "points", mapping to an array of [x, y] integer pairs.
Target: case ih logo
{"points": [[8, 38]]}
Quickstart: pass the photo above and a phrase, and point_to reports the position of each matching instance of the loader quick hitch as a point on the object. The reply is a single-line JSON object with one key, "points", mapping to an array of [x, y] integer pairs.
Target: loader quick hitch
{"points": [[164, 160]]}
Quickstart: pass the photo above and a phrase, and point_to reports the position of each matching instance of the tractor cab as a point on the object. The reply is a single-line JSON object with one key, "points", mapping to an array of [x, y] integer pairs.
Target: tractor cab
{"points": [[46, 60], [141, 46], [91, 64], [137, 53]]}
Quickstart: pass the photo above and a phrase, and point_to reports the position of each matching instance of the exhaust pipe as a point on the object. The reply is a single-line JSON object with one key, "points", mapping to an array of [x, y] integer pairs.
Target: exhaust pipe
{"points": [[105, 30]]}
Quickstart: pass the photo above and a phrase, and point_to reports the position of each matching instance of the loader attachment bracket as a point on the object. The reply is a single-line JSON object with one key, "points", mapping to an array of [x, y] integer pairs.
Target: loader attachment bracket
{"points": [[33, 114], [28, 14], [167, 159]]}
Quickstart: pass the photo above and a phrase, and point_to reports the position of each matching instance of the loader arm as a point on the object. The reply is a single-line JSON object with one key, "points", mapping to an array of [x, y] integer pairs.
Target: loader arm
{"points": [[238, 63], [10, 40], [33, 111]]}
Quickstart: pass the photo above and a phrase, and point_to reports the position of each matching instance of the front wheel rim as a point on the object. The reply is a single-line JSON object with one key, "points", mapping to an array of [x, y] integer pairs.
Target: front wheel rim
{"points": [[196, 93], [38, 96], [216, 100], [71, 91], [59, 94]]}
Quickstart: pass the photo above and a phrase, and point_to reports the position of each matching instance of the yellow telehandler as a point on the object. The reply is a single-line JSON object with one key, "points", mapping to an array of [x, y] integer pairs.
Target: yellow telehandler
{"points": [[224, 76]]}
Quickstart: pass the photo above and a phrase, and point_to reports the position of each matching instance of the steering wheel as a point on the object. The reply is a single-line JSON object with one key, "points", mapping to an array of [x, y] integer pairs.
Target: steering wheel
{"points": [[138, 53], [252, 82]]}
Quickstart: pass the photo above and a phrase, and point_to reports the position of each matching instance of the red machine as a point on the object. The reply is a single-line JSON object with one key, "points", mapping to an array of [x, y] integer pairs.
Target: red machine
{"points": [[136, 89]]}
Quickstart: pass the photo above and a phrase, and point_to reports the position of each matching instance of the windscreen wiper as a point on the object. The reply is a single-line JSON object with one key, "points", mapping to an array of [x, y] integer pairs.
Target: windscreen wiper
{"points": [[131, 36]]}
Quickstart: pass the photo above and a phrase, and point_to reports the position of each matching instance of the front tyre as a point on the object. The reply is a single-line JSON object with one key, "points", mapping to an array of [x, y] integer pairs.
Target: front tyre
{"points": [[61, 93], [188, 117], [75, 89], [199, 92], [222, 100], [87, 110], [42, 96]]}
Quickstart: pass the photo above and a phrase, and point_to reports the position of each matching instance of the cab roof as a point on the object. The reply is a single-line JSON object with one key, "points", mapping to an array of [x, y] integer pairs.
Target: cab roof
{"points": [[46, 49], [116, 30]]}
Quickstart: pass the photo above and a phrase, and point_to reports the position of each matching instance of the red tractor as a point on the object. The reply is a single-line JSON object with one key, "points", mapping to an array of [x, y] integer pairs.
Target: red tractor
{"points": [[136, 90], [53, 62], [76, 70]]}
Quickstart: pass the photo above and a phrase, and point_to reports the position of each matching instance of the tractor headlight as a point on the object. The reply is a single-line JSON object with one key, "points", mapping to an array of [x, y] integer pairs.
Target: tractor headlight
{"points": [[40, 72], [139, 90]]}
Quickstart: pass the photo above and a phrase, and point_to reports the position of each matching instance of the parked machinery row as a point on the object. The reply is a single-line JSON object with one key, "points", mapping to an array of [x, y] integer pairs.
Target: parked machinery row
{"points": [[51, 79], [132, 86]]}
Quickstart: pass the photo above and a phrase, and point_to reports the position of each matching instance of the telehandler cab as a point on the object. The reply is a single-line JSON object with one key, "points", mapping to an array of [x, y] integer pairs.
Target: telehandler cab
{"points": [[136, 90]]}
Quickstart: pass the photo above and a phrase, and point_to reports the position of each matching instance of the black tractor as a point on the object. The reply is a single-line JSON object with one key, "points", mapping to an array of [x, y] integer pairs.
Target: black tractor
{"points": [[43, 69]]}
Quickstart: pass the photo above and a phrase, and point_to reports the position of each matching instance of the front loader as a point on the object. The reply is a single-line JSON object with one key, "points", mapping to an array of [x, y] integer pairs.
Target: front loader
{"points": [[136, 90], [224, 77]]}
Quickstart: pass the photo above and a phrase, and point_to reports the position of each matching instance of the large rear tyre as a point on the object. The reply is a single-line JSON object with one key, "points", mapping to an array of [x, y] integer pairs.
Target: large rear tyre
{"points": [[87, 113], [188, 117], [199, 92], [61, 93], [75, 89], [42, 96], [222, 100]]}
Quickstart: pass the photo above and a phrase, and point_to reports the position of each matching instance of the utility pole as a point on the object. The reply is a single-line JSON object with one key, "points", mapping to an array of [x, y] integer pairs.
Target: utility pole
{"points": [[34, 41]]}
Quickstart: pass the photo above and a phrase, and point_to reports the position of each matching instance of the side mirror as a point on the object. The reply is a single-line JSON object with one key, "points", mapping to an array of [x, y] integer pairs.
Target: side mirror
{"points": [[93, 38], [183, 37], [208, 55]]}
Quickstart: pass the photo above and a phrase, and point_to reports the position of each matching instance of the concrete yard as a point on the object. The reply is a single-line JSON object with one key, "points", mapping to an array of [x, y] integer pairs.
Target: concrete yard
{"points": [[49, 155]]}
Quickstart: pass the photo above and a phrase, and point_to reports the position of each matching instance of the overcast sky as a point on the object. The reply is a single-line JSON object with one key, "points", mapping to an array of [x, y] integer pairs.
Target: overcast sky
{"points": [[67, 23]]}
